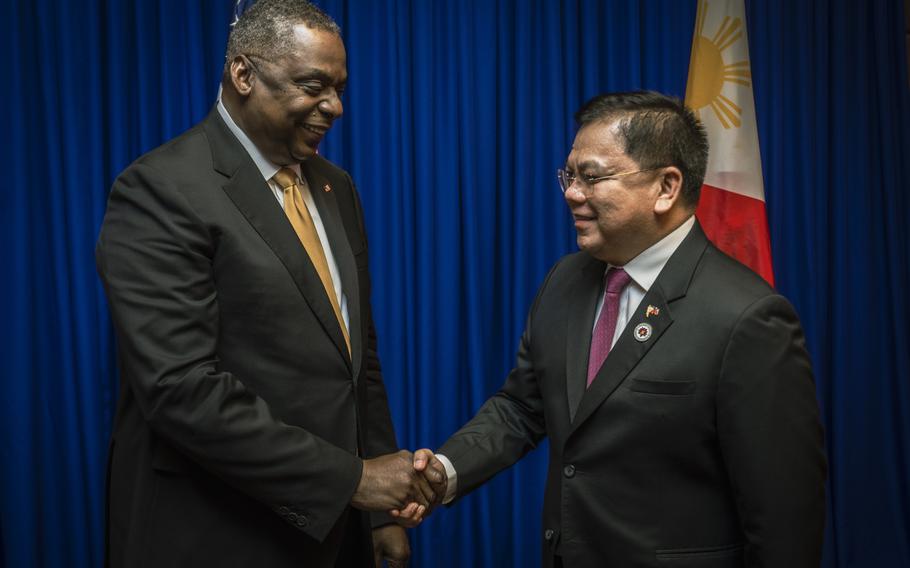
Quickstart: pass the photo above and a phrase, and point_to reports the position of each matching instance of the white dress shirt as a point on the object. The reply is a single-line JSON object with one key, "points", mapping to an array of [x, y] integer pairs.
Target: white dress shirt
{"points": [[269, 169], [644, 270]]}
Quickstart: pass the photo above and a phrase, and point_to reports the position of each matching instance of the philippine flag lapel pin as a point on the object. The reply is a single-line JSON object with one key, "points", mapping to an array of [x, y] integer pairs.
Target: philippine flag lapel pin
{"points": [[652, 311], [327, 188]]}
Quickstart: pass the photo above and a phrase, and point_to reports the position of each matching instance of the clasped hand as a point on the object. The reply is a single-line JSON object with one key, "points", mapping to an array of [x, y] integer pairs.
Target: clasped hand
{"points": [[407, 486]]}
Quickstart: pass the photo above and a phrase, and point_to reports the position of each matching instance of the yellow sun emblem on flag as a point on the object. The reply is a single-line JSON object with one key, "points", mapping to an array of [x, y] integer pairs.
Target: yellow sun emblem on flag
{"points": [[708, 70]]}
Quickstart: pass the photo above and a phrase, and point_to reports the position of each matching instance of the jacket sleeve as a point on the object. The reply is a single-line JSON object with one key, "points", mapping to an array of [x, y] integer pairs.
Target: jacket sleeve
{"points": [[154, 255], [507, 426], [771, 438]]}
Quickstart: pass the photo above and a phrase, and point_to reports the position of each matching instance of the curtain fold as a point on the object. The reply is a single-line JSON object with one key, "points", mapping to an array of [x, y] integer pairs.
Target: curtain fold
{"points": [[456, 117]]}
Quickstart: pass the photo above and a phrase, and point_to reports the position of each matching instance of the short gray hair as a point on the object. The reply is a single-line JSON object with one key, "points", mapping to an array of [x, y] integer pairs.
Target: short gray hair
{"points": [[265, 27]]}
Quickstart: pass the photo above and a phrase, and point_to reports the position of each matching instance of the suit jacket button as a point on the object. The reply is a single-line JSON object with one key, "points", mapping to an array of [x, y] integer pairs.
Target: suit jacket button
{"points": [[548, 534], [292, 517], [283, 511], [301, 521], [569, 470]]}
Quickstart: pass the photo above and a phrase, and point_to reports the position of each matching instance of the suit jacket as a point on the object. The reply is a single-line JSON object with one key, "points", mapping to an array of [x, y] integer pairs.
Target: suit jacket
{"points": [[698, 447], [241, 414]]}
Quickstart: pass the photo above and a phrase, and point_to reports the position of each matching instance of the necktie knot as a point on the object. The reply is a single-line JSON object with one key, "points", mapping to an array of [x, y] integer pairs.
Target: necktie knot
{"points": [[617, 279], [286, 178]]}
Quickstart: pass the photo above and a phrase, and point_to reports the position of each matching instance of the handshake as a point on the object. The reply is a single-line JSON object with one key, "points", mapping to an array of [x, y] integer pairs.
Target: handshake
{"points": [[407, 486]]}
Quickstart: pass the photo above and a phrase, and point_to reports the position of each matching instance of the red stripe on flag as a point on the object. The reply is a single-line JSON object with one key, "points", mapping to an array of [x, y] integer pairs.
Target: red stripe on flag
{"points": [[737, 225]]}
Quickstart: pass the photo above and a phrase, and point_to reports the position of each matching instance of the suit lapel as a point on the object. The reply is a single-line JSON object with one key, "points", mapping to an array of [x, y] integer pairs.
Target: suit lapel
{"points": [[670, 286], [253, 198], [625, 354], [327, 204], [585, 292]]}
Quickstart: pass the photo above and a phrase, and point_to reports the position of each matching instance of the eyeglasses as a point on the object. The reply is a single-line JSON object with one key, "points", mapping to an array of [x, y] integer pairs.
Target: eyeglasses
{"points": [[586, 183]]}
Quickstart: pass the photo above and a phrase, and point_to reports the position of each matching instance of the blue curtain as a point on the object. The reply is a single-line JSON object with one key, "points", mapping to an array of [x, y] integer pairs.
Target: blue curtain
{"points": [[456, 117]]}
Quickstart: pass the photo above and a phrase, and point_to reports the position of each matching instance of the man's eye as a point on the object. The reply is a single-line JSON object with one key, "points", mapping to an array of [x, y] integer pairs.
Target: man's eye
{"points": [[311, 88], [588, 178]]}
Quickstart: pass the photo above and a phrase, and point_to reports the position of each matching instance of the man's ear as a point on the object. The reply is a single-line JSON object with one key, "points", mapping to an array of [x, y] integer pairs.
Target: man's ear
{"points": [[242, 75], [670, 190]]}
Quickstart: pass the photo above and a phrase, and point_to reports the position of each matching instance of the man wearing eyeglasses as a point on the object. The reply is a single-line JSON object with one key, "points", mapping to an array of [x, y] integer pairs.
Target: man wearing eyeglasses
{"points": [[672, 382], [253, 427]]}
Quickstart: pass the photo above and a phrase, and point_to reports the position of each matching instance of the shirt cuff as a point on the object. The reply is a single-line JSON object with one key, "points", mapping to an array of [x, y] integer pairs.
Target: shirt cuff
{"points": [[452, 483]]}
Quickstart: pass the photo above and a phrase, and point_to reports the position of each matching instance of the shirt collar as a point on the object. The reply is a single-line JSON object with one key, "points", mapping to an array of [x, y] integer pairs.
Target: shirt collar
{"points": [[266, 167], [644, 268]]}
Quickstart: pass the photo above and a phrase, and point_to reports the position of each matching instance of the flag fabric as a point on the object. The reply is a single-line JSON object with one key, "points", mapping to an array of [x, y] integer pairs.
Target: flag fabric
{"points": [[241, 6], [719, 90]]}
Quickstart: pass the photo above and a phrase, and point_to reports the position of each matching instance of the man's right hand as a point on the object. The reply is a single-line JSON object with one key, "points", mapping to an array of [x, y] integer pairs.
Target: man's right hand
{"points": [[390, 482], [434, 472]]}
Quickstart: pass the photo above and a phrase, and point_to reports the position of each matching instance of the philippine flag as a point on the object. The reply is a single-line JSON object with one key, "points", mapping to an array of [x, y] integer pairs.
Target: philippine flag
{"points": [[732, 206]]}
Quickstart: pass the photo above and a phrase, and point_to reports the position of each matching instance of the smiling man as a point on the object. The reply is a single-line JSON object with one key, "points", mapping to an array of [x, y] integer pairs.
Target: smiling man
{"points": [[672, 382], [252, 427]]}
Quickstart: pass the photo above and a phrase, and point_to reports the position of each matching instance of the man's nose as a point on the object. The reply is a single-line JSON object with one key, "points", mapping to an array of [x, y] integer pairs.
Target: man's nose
{"points": [[574, 195], [331, 106]]}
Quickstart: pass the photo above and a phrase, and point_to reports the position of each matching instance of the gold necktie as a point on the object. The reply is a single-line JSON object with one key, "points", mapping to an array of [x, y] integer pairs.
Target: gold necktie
{"points": [[300, 218]]}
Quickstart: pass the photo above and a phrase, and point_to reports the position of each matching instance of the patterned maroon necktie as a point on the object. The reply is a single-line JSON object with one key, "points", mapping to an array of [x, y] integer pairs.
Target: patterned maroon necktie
{"points": [[602, 338]]}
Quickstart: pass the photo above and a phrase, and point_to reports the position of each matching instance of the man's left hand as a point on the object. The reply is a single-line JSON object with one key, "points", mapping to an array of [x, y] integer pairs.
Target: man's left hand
{"points": [[390, 543]]}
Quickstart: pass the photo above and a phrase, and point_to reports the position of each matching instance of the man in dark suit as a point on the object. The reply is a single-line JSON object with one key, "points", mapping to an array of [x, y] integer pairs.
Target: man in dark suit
{"points": [[672, 382], [253, 427]]}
